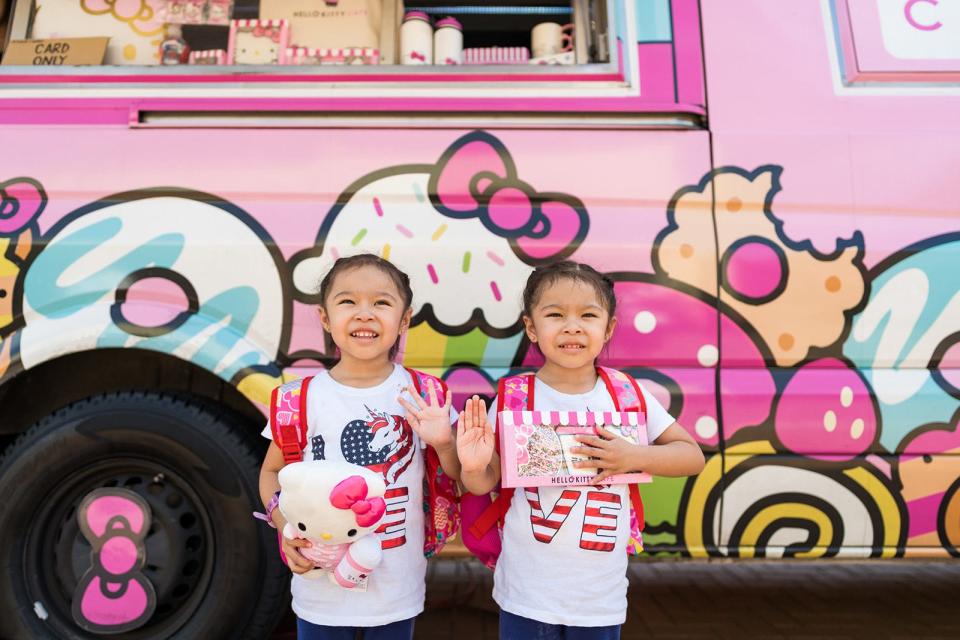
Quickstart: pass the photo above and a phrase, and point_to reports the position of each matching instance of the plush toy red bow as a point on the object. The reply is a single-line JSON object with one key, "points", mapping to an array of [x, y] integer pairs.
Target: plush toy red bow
{"points": [[352, 494]]}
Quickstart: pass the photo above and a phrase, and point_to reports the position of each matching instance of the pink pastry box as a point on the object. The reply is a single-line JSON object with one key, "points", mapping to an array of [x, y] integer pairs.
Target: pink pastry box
{"points": [[535, 445]]}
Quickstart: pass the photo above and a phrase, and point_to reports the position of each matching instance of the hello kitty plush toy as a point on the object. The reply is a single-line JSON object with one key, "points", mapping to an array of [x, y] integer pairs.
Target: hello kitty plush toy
{"points": [[337, 506]]}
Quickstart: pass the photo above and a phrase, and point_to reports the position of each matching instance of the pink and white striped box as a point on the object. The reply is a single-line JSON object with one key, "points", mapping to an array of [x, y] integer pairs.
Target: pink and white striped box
{"points": [[535, 446], [496, 55], [304, 56], [211, 57]]}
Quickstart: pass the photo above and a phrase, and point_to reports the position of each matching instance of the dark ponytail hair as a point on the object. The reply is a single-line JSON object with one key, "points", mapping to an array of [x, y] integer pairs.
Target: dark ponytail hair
{"points": [[399, 278], [543, 277]]}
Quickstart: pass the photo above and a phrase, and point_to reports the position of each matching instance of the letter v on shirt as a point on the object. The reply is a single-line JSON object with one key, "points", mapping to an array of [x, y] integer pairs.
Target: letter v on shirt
{"points": [[564, 558]]}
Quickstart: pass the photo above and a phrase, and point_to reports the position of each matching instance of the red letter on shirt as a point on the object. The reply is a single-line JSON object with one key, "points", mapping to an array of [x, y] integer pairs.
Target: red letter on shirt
{"points": [[546, 526], [393, 531], [600, 521]]}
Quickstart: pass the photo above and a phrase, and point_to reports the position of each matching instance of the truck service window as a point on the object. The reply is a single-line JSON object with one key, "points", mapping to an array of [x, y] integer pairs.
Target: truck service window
{"points": [[269, 37]]}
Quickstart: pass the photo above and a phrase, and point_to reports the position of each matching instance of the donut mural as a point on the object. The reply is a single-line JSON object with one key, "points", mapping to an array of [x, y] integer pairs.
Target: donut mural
{"points": [[139, 270], [825, 393]]}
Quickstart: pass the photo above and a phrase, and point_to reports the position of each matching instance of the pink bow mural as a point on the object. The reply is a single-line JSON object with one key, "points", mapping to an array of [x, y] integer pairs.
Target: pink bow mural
{"points": [[21, 201], [477, 178]]}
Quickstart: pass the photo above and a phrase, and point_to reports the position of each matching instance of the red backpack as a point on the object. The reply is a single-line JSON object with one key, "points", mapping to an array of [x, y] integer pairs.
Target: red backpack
{"points": [[483, 516], [288, 424]]}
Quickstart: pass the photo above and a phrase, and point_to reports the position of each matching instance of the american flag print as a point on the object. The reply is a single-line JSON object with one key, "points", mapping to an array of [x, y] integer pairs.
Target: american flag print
{"points": [[600, 521], [384, 444], [317, 448], [355, 445], [545, 526]]}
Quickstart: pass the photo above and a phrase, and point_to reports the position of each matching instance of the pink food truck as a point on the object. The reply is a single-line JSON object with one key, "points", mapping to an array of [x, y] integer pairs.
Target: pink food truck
{"points": [[772, 185]]}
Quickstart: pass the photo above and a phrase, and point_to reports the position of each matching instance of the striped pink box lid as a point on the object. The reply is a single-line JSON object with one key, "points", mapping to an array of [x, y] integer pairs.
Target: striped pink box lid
{"points": [[496, 55], [536, 446], [211, 56], [307, 55]]}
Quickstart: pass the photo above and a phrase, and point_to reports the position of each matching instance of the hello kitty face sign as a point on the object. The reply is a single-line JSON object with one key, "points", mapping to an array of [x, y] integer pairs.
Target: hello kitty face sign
{"points": [[258, 41], [467, 229]]}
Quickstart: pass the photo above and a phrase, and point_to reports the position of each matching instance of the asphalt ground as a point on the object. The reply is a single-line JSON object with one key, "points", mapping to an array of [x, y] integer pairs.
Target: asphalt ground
{"points": [[771, 599]]}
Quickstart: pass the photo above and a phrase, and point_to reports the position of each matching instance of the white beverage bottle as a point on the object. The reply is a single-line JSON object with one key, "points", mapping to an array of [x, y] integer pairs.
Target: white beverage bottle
{"points": [[416, 39], [448, 42]]}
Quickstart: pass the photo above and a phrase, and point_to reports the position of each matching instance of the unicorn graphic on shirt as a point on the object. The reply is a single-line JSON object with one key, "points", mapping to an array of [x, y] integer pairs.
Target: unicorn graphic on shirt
{"points": [[393, 437]]}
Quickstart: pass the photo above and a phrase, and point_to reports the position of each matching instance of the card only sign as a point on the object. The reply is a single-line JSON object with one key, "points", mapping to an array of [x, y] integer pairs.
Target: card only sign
{"points": [[56, 52]]}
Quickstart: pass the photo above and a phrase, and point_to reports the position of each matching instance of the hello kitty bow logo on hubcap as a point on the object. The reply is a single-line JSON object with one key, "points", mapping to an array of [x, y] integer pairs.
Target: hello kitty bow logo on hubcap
{"points": [[113, 595]]}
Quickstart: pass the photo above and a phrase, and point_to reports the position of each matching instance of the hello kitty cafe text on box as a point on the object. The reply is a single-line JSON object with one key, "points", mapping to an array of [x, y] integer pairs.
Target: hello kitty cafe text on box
{"points": [[536, 446]]}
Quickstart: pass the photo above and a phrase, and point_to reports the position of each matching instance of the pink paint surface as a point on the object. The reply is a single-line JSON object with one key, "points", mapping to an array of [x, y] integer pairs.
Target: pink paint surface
{"points": [[103, 509], [656, 70], [852, 160], [118, 555], [754, 270], [950, 366], [870, 59], [153, 302], [826, 411], [105, 611], [688, 51], [923, 514]]}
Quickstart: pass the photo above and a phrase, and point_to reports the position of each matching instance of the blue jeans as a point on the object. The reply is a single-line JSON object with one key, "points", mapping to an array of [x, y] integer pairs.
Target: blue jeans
{"points": [[514, 627], [402, 630]]}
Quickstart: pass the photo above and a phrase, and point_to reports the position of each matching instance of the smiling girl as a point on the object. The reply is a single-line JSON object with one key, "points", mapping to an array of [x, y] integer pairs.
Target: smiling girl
{"points": [[355, 413], [548, 582]]}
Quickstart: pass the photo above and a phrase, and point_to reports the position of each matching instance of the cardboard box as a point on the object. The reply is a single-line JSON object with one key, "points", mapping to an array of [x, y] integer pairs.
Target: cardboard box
{"points": [[56, 52], [536, 446], [316, 24]]}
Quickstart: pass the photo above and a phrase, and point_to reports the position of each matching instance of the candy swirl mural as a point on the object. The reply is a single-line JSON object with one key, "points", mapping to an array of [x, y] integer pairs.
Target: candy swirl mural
{"points": [[824, 392]]}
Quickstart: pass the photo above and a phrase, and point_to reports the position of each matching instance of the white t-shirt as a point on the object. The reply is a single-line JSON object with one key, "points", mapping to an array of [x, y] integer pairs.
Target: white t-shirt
{"points": [[550, 577], [338, 429]]}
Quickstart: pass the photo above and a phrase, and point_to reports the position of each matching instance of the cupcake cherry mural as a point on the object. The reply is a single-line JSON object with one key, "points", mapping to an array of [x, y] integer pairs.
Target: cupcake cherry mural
{"points": [[826, 411], [468, 230], [793, 298]]}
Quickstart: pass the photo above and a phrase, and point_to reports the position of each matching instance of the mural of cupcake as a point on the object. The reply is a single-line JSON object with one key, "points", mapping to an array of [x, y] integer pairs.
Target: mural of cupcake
{"points": [[466, 229]]}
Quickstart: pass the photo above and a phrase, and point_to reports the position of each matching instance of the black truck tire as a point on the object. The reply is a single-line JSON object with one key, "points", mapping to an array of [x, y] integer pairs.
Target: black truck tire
{"points": [[214, 568]]}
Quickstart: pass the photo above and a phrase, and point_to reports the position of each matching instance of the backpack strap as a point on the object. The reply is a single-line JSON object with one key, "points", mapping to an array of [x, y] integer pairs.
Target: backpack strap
{"points": [[623, 389], [423, 381], [520, 389], [637, 503], [288, 418], [626, 394], [441, 509]]}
